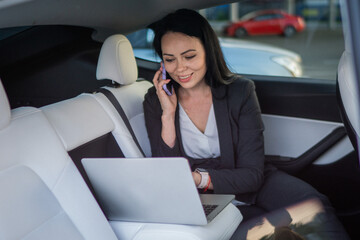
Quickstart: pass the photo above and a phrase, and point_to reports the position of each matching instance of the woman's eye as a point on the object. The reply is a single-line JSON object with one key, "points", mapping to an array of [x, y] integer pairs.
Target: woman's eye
{"points": [[190, 57], [169, 60]]}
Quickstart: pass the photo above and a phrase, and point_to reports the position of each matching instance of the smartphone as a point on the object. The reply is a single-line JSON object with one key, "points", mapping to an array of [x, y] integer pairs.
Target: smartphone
{"points": [[167, 87]]}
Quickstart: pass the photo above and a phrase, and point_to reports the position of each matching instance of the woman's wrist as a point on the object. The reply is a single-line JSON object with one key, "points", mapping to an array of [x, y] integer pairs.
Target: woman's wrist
{"points": [[168, 117], [168, 130], [197, 178], [205, 179]]}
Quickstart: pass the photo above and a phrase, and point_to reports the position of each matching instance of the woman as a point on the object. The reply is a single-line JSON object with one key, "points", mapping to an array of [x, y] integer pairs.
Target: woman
{"points": [[213, 119]]}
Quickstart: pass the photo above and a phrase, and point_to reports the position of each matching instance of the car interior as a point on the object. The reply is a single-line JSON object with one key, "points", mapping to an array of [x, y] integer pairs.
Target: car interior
{"points": [[53, 113]]}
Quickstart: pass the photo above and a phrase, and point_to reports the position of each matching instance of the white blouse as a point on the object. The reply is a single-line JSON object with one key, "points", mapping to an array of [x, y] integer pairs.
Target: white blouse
{"points": [[197, 144]]}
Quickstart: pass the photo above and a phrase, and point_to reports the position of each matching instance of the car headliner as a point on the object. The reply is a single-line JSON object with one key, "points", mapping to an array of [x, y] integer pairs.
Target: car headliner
{"points": [[122, 16]]}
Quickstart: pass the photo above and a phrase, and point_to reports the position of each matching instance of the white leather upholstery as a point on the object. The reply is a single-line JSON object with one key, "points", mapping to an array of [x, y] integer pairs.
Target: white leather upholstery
{"points": [[4, 108], [135, 115], [220, 228], [43, 195], [88, 116], [130, 97], [116, 61], [78, 120], [40, 216], [349, 90], [294, 136]]}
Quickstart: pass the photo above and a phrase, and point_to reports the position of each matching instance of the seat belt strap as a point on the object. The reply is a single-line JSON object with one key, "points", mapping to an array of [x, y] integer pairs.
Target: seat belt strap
{"points": [[122, 114]]}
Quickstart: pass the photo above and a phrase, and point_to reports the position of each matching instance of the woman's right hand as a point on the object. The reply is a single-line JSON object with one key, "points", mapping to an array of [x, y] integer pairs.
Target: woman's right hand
{"points": [[168, 106], [168, 103]]}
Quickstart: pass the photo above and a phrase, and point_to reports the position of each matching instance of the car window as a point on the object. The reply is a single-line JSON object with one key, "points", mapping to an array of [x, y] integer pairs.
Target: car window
{"points": [[141, 42], [276, 16], [263, 17], [307, 43]]}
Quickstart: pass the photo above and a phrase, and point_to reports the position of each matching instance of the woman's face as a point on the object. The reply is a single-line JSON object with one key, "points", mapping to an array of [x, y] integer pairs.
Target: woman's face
{"points": [[184, 59]]}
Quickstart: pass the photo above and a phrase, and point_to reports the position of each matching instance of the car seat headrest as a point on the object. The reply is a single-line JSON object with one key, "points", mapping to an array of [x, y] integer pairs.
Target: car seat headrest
{"points": [[5, 113], [117, 61]]}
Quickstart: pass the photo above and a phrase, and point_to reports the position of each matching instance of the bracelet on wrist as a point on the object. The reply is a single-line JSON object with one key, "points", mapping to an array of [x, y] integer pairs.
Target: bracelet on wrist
{"points": [[204, 178], [208, 184]]}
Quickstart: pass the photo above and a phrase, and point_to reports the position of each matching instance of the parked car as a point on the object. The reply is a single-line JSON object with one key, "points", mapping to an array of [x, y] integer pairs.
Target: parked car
{"points": [[49, 53], [243, 57], [266, 22]]}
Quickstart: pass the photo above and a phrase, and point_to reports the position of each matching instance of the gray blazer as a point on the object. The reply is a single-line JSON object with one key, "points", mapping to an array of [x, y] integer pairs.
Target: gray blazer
{"points": [[240, 168]]}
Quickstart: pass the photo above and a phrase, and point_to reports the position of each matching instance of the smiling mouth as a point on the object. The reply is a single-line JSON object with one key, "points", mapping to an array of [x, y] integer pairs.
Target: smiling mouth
{"points": [[185, 78]]}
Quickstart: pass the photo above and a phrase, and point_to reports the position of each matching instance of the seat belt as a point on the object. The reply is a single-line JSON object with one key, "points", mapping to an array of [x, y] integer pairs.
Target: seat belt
{"points": [[122, 114]]}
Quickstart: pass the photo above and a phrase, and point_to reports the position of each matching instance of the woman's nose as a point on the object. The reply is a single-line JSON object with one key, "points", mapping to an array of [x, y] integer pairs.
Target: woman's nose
{"points": [[181, 66]]}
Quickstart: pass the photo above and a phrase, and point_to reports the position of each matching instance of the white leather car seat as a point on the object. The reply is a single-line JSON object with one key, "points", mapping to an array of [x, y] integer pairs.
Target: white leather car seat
{"points": [[42, 195], [348, 95], [117, 63], [348, 86]]}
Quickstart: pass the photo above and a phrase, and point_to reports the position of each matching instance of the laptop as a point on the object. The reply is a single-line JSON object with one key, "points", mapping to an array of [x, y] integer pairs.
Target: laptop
{"points": [[156, 190]]}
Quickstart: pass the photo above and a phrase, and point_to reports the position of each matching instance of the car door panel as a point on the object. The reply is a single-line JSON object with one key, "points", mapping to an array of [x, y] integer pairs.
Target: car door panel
{"points": [[294, 136], [305, 113], [340, 150], [293, 143], [301, 117]]}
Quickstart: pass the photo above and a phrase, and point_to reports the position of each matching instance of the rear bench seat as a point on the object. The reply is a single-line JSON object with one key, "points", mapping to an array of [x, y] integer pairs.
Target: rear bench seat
{"points": [[43, 195]]}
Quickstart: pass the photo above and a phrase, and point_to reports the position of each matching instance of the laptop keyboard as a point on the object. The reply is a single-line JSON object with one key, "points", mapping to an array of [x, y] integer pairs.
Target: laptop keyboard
{"points": [[208, 208]]}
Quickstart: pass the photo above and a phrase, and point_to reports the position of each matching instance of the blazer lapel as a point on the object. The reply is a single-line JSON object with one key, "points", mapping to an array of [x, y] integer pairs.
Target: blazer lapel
{"points": [[224, 127]]}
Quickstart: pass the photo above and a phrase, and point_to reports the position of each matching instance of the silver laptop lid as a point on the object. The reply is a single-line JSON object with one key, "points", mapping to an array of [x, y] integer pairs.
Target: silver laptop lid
{"points": [[158, 190]]}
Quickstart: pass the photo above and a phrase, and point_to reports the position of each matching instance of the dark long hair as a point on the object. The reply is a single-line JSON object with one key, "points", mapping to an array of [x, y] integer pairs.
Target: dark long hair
{"points": [[191, 23]]}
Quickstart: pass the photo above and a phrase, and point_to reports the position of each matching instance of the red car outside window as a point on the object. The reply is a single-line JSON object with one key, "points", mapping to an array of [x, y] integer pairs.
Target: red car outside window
{"points": [[266, 22]]}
